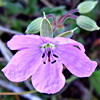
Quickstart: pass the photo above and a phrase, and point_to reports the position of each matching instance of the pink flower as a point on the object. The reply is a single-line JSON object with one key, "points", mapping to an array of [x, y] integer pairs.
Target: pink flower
{"points": [[42, 58]]}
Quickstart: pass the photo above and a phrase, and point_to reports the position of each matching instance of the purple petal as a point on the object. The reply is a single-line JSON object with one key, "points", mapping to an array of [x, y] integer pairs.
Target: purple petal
{"points": [[48, 78], [70, 41], [23, 64], [19, 42], [76, 61]]}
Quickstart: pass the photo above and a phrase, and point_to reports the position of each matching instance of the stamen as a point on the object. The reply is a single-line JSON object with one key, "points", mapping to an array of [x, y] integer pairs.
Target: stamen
{"points": [[43, 55], [49, 52], [44, 62], [55, 56], [53, 62], [77, 47]]}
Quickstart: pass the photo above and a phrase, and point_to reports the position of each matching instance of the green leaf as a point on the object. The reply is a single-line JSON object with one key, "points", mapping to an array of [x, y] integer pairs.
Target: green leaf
{"points": [[45, 28], [13, 8], [2, 3], [95, 81], [86, 6], [56, 10], [87, 23], [31, 7], [34, 26]]}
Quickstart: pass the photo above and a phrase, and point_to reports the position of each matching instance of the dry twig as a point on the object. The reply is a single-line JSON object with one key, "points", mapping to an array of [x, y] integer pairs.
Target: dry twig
{"points": [[16, 89], [9, 30]]}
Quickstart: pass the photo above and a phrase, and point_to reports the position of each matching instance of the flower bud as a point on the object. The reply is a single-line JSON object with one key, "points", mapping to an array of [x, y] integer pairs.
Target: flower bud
{"points": [[86, 6], [45, 28], [87, 23], [67, 34], [34, 26]]}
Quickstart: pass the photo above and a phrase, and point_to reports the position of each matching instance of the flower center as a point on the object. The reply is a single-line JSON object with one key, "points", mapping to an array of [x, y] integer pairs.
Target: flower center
{"points": [[48, 53], [47, 45]]}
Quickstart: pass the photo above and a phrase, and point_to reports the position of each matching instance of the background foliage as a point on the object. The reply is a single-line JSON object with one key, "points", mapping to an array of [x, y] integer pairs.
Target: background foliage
{"points": [[17, 14]]}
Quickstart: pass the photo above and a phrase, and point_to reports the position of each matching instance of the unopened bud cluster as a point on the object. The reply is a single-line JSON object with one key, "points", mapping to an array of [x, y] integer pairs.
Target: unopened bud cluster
{"points": [[45, 28]]}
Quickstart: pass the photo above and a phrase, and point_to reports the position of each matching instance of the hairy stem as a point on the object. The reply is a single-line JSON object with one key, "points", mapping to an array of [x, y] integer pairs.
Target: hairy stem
{"points": [[64, 18], [69, 16], [19, 93], [17, 89], [68, 13], [51, 16]]}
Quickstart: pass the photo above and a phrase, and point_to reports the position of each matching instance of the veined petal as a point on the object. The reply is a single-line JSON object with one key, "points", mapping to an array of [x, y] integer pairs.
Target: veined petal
{"points": [[76, 61], [19, 42], [62, 40], [23, 64], [48, 78]]}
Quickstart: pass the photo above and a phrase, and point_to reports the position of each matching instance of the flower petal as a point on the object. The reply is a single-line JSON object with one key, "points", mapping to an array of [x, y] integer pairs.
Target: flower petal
{"points": [[71, 41], [23, 64], [19, 42], [76, 61], [48, 78]]}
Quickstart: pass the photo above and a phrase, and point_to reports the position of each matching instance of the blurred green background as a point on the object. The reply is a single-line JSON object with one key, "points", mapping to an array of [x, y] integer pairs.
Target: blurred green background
{"points": [[15, 15]]}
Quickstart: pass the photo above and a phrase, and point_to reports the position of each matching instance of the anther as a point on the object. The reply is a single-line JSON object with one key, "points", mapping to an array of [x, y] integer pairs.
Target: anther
{"points": [[55, 56], [43, 55], [49, 52], [53, 62], [77, 47], [44, 62]]}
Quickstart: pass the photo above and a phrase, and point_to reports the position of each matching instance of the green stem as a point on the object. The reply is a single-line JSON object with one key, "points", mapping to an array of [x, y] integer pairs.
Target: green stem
{"points": [[19, 93], [72, 78], [34, 91]]}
